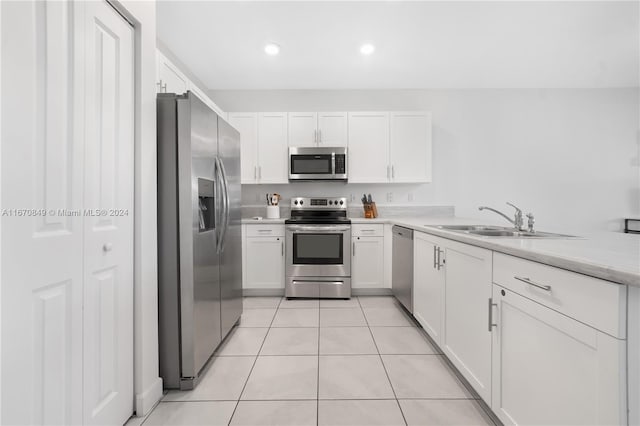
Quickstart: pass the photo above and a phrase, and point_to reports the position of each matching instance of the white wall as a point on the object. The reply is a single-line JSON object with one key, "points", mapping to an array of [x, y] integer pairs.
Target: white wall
{"points": [[571, 156]]}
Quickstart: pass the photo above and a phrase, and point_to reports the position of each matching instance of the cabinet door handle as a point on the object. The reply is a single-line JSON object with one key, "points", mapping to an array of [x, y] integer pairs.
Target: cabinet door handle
{"points": [[491, 323], [259, 172], [388, 172], [435, 262], [528, 281], [282, 248], [393, 172], [315, 136], [319, 135], [255, 172], [354, 248]]}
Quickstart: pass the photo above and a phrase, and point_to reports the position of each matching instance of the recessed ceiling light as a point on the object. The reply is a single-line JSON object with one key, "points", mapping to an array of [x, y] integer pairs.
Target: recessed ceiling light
{"points": [[271, 49], [367, 49]]}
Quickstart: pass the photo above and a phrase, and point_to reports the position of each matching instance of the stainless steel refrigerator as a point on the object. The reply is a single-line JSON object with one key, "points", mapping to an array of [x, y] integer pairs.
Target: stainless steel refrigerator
{"points": [[199, 236]]}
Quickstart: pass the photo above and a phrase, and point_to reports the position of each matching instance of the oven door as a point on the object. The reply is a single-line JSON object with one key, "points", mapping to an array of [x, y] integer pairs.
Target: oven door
{"points": [[318, 250]]}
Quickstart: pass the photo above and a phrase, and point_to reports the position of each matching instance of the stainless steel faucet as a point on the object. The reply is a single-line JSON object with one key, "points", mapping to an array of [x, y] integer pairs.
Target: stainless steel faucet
{"points": [[517, 221]]}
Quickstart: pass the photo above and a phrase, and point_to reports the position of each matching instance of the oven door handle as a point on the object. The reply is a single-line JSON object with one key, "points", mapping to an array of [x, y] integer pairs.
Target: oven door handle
{"points": [[317, 228]]}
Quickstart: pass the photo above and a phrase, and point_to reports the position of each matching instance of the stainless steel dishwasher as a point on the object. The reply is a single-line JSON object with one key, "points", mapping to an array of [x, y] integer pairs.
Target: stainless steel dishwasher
{"points": [[402, 266]]}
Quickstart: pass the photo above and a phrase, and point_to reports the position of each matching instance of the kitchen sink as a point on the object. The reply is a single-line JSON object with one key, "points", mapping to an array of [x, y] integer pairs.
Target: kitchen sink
{"points": [[498, 231]]}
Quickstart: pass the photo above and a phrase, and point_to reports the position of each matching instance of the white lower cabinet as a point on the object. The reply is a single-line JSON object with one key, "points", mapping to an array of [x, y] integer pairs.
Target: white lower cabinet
{"points": [[367, 262], [551, 369], [367, 255], [428, 284], [263, 257], [466, 338]]}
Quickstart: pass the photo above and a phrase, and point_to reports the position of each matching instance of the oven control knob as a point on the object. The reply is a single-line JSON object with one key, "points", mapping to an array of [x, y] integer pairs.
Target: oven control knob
{"points": [[295, 202], [335, 202], [341, 202], [301, 202], [330, 202]]}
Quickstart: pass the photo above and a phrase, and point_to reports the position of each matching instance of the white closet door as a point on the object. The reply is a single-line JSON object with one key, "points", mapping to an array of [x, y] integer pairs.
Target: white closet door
{"points": [[41, 249], [108, 236]]}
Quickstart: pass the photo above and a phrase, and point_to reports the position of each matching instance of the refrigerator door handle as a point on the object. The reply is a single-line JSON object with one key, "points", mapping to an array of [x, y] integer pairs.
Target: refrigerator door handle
{"points": [[221, 209], [225, 199]]}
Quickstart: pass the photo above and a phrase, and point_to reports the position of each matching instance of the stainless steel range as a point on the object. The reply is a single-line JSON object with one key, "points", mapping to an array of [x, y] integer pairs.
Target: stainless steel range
{"points": [[318, 241]]}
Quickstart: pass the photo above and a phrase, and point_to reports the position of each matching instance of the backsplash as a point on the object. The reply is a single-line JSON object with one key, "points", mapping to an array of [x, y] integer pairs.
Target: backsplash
{"points": [[356, 210]]}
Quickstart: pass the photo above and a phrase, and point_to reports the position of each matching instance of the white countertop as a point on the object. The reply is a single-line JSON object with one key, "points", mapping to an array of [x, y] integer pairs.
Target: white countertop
{"points": [[607, 255]]}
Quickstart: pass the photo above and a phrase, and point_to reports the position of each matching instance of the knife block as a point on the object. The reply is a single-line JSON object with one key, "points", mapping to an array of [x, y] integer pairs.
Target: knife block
{"points": [[370, 210]]}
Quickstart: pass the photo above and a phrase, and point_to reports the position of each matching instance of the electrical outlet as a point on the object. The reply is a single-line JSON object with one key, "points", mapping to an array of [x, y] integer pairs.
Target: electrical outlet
{"points": [[389, 197], [410, 197], [352, 198]]}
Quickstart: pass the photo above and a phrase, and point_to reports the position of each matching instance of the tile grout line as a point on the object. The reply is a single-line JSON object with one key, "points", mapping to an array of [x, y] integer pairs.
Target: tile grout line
{"points": [[318, 372], [384, 367], [254, 363]]}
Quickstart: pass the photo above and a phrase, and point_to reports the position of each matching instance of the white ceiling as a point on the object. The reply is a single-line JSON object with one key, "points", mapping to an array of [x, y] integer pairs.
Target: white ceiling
{"points": [[432, 44]]}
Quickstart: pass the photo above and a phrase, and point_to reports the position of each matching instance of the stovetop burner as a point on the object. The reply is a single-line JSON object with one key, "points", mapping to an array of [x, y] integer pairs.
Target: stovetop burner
{"points": [[318, 210]]}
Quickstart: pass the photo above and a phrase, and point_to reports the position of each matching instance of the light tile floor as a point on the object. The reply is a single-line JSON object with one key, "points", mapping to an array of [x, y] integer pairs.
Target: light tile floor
{"points": [[330, 362]]}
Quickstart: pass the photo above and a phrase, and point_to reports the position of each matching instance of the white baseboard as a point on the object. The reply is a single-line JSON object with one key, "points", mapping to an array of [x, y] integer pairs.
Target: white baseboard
{"points": [[371, 292], [264, 292], [148, 399]]}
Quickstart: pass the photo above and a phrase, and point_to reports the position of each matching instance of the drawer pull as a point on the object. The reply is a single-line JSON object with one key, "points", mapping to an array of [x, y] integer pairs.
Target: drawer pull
{"points": [[265, 230], [528, 281], [367, 230]]}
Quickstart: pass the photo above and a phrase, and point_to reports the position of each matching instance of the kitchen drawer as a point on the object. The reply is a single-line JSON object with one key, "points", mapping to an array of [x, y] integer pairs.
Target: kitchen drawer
{"points": [[265, 230], [597, 303], [365, 230]]}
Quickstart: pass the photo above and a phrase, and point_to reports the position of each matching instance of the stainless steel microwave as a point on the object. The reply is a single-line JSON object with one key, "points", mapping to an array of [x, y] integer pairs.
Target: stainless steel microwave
{"points": [[318, 163]]}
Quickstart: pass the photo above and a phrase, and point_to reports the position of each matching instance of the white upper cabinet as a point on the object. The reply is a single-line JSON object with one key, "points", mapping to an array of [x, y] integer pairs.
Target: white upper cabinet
{"points": [[332, 129], [369, 147], [263, 146], [410, 146], [272, 147], [384, 147], [169, 77], [318, 129], [247, 124], [303, 129]]}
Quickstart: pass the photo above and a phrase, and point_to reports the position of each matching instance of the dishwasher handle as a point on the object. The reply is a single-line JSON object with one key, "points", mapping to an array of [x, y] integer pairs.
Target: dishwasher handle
{"points": [[402, 232]]}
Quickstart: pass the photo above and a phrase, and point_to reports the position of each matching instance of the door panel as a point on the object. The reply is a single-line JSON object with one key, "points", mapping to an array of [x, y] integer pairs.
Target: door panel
{"points": [[108, 230], [410, 146], [265, 262], [272, 147], [333, 128], [199, 265], [231, 255], [302, 129], [368, 139], [367, 267], [428, 286], [42, 250], [247, 125], [466, 338], [571, 370]]}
